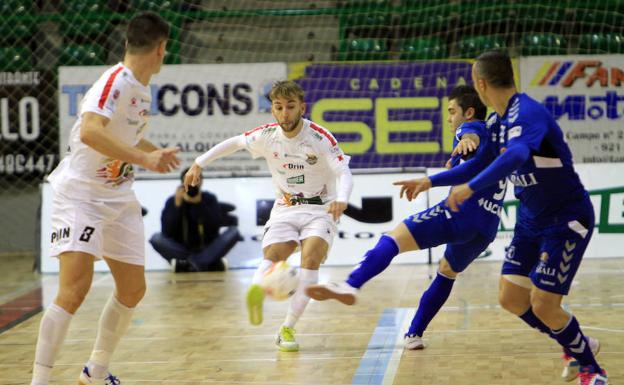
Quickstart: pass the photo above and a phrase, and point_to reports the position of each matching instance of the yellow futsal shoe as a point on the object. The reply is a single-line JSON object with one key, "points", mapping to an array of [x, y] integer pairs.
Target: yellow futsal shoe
{"points": [[255, 299], [285, 340]]}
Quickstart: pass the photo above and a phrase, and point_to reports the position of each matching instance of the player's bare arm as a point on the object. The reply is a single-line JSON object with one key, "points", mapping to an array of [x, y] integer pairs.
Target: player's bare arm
{"points": [[146, 146], [93, 133], [411, 188]]}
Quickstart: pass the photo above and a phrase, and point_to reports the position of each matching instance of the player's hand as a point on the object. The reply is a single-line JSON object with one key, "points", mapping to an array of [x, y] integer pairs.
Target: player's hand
{"points": [[458, 195], [411, 188], [465, 146], [336, 209], [162, 160], [192, 176], [448, 164]]}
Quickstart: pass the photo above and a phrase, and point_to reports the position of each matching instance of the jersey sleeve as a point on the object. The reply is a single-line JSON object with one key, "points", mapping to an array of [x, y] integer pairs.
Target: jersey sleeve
{"points": [[529, 129], [255, 141], [104, 96], [477, 128], [337, 161]]}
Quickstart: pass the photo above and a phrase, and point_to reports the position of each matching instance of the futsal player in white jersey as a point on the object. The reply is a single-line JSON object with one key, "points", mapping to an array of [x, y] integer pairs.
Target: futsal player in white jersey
{"points": [[95, 214], [312, 184]]}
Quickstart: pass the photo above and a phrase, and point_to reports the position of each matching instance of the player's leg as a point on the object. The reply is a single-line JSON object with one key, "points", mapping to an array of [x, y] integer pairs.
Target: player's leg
{"points": [[456, 259], [115, 317], [124, 253], [562, 252], [415, 232], [373, 263], [514, 293], [273, 253], [76, 274], [313, 253], [77, 241]]}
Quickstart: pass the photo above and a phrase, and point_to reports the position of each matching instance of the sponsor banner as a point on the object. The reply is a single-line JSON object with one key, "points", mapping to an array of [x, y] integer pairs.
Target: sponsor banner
{"points": [[374, 208], [605, 183], [585, 93], [28, 125], [194, 107], [385, 114]]}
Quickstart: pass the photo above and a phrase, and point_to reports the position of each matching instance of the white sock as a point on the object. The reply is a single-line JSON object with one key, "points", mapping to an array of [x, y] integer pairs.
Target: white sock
{"points": [[300, 300], [262, 268], [52, 332], [114, 323]]}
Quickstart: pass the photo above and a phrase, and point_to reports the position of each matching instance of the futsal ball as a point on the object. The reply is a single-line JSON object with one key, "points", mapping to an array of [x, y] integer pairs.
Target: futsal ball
{"points": [[280, 281]]}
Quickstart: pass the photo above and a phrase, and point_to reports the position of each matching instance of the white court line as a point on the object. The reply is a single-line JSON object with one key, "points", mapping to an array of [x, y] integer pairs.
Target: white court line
{"points": [[395, 359]]}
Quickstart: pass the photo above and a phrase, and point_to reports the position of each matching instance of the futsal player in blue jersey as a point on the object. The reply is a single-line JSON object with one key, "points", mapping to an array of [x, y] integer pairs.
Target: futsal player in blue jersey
{"points": [[555, 216], [466, 233]]}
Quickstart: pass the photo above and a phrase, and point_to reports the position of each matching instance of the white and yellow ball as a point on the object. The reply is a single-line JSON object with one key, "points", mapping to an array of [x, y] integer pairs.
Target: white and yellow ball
{"points": [[280, 281]]}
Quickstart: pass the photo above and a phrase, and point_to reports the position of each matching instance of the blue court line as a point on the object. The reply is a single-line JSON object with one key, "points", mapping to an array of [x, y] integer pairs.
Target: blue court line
{"points": [[381, 346]]}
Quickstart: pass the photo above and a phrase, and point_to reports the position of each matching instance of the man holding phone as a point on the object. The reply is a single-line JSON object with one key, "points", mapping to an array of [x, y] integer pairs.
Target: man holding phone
{"points": [[190, 237]]}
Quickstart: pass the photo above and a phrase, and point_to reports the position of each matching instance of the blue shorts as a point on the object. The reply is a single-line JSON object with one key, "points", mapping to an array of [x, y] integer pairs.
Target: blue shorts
{"points": [[438, 226], [551, 254]]}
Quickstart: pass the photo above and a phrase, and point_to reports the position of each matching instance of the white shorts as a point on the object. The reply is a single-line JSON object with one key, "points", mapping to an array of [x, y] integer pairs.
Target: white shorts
{"points": [[297, 223], [110, 229]]}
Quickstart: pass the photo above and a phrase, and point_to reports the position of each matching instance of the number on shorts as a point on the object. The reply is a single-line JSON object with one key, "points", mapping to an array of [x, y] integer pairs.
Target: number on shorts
{"points": [[86, 234]]}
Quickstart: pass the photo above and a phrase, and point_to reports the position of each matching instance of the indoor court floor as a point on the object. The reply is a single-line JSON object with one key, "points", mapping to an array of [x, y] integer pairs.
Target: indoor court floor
{"points": [[192, 328]]}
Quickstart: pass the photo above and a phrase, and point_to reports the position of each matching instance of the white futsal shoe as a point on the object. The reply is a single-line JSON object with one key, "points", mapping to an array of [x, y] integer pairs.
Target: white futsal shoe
{"points": [[340, 291]]}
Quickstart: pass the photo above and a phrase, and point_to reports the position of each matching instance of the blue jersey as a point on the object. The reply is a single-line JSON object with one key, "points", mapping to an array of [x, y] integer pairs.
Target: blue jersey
{"points": [[546, 182], [483, 208]]}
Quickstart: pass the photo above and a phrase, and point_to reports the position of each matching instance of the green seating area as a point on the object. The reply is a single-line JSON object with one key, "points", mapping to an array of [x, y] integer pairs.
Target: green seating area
{"points": [[367, 29], [82, 54], [15, 58]]}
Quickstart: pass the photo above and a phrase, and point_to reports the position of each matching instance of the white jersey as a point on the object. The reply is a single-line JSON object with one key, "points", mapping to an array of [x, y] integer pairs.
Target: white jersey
{"points": [[86, 174], [304, 168]]}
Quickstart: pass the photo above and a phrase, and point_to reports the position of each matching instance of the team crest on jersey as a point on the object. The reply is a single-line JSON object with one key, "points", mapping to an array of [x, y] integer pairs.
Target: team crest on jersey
{"points": [[275, 154], [116, 94], [116, 172], [311, 159], [133, 102], [544, 257]]}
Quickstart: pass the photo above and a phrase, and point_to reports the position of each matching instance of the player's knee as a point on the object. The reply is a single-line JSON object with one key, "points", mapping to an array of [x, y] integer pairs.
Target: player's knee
{"points": [[512, 303], [446, 270], [70, 298], [130, 297]]}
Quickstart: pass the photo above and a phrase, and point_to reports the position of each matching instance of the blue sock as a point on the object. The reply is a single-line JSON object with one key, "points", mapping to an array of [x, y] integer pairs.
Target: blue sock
{"points": [[430, 303], [375, 261], [572, 339], [531, 319]]}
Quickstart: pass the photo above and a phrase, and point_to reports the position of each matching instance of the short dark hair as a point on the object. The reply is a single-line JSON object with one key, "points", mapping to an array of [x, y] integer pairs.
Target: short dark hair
{"points": [[466, 96], [286, 89], [495, 67], [145, 31]]}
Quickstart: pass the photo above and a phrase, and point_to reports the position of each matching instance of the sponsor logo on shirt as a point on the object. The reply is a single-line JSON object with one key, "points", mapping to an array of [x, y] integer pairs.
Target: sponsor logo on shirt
{"points": [[514, 132], [299, 179], [524, 180], [293, 166]]}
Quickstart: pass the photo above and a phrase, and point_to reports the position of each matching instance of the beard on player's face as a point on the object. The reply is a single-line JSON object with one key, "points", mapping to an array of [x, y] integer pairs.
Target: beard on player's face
{"points": [[289, 126]]}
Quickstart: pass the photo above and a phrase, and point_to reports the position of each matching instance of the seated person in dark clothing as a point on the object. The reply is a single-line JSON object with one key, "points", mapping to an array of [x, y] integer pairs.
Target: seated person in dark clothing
{"points": [[191, 236]]}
